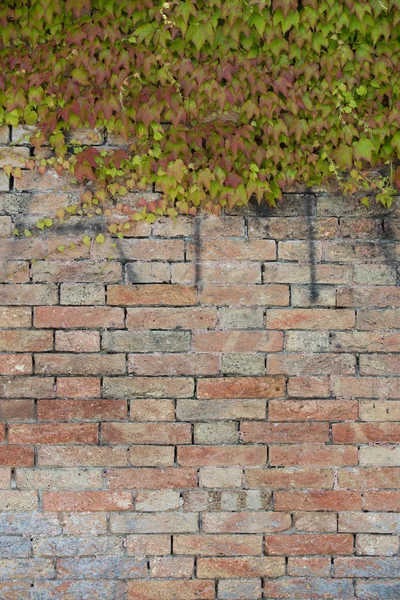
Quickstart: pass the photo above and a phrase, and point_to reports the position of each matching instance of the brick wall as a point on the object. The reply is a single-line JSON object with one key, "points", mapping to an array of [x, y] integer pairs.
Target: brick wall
{"points": [[209, 409]]}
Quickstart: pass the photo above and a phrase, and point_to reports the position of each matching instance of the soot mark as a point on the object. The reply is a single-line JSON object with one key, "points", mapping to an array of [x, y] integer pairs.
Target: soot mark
{"points": [[311, 248], [197, 246]]}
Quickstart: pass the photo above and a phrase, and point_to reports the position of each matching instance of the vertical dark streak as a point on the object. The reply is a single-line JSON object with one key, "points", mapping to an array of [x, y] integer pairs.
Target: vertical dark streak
{"points": [[197, 246], [311, 246], [388, 250]]}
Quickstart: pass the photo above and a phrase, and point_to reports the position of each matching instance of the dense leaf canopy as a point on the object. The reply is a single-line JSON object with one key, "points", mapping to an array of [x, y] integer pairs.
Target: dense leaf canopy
{"points": [[219, 99]]}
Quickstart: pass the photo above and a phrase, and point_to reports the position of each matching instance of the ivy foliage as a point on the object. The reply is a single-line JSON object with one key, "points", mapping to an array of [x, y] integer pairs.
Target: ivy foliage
{"points": [[220, 100]]}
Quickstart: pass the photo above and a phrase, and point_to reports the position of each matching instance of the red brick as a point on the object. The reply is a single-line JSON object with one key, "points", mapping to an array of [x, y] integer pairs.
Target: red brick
{"points": [[80, 364], [171, 590], [318, 500], [77, 341], [241, 387], [309, 387], [221, 456], [280, 478], [380, 364], [283, 433], [16, 456], [151, 295], [245, 295], [82, 410], [382, 500], [14, 316], [146, 433], [86, 501], [78, 387], [173, 364], [218, 545], [310, 318], [152, 456], [74, 317], [169, 318], [25, 248], [14, 271], [365, 433], [313, 455], [365, 341], [237, 341], [312, 410], [53, 434], [378, 319], [306, 544], [151, 479], [234, 567], [15, 364]]}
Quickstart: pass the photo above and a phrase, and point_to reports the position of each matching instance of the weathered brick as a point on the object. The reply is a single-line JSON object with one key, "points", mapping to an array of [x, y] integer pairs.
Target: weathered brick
{"points": [[16, 410], [25, 341], [173, 364], [14, 316], [378, 319], [377, 545], [27, 294], [84, 523], [145, 387], [307, 341], [291, 227], [380, 410], [88, 271], [64, 546], [145, 545], [146, 433], [95, 590], [217, 410], [365, 433], [81, 410], [378, 589], [315, 522], [299, 588], [279, 478], [241, 387], [151, 456], [154, 523], [313, 455], [216, 433], [245, 522], [326, 500], [220, 477], [221, 456], [364, 297], [309, 567], [16, 456], [378, 364], [374, 274], [82, 293], [306, 544], [230, 250], [78, 387], [152, 410], [151, 295], [245, 295], [15, 364], [84, 501], [14, 271], [313, 318], [171, 566], [309, 387], [26, 387], [217, 545], [14, 547], [157, 500], [371, 522], [215, 568], [82, 456], [169, 318], [38, 568], [151, 478], [242, 364], [366, 387], [367, 478], [58, 479], [365, 566], [283, 433], [363, 341], [106, 567], [80, 364], [66, 433], [241, 318], [139, 249], [237, 341], [384, 500], [151, 272], [29, 523], [312, 410], [75, 317], [219, 273], [76, 341], [293, 363], [239, 590], [171, 590], [18, 501]]}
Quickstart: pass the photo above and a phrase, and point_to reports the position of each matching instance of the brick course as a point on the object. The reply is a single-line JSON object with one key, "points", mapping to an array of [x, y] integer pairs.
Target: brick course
{"points": [[226, 426]]}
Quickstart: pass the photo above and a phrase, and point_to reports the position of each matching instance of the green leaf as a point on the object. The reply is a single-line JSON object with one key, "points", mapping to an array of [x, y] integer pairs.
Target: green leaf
{"points": [[27, 233], [100, 239], [40, 225], [61, 248], [86, 240], [363, 149], [48, 222]]}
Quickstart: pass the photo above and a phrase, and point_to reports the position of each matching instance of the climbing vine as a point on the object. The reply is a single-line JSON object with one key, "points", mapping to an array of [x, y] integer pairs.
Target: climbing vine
{"points": [[217, 101]]}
